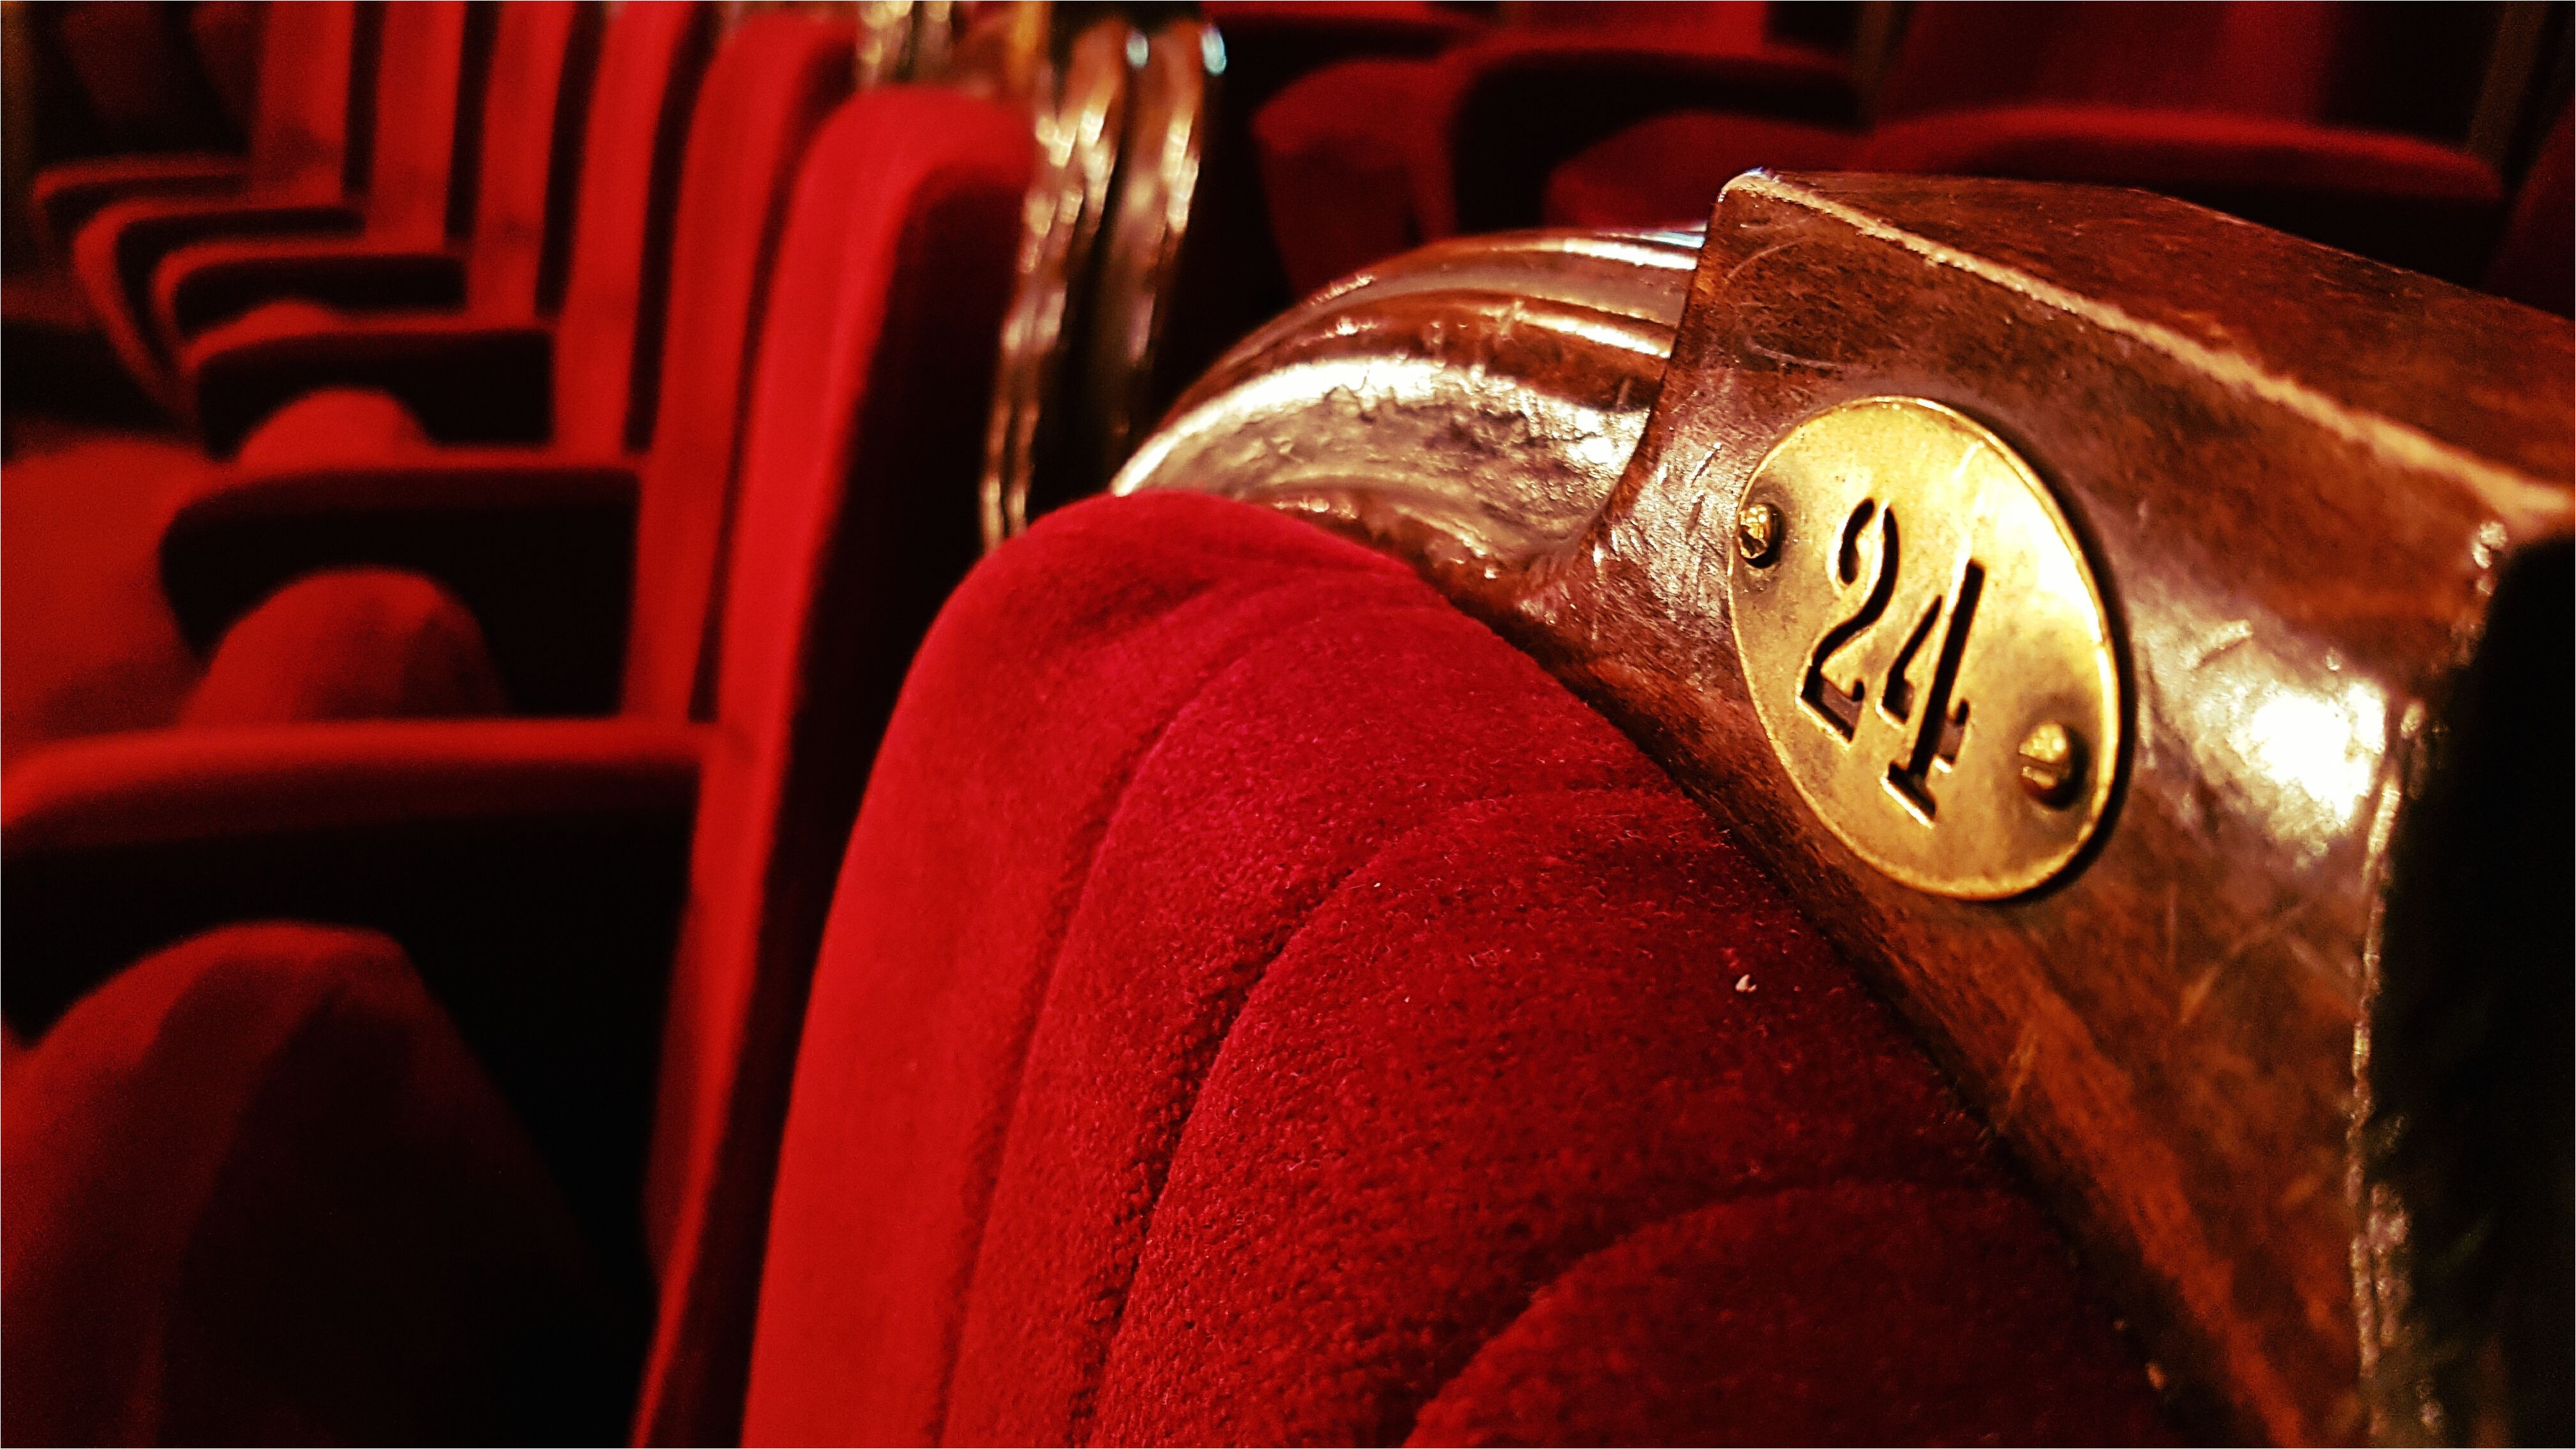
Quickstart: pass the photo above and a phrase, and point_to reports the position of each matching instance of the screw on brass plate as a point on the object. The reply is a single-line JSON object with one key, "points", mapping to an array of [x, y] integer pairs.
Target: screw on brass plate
{"points": [[2051, 764], [1757, 533]]}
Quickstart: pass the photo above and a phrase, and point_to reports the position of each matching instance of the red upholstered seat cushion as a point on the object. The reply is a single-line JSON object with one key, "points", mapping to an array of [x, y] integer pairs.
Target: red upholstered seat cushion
{"points": [[2531, 265], [1340, 197], [2394, 199], [331, 427], [1261, 1005], [257, 1190], [87, 643], [2163, 148], [350, 644], [1668, 170]]}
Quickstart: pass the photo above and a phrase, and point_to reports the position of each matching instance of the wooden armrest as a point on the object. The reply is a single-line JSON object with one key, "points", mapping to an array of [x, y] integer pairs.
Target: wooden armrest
{"points": [[467, 381], [203, 283], [2278, 1018], [542, 550]]}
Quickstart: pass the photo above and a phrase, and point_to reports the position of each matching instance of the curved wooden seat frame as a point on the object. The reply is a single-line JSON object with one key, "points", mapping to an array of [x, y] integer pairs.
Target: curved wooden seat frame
{"points": [[2287, 1046]]}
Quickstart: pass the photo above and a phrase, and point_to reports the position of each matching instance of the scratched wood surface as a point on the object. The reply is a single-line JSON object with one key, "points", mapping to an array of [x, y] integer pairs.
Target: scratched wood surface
{"points": [[2247, 1044]]}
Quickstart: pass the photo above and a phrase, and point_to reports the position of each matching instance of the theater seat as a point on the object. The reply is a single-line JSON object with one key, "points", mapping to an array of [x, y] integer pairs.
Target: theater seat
{"points": [[1260, 1005], [297, 137], [421, 81], [582, 136], [93, 643], [1668, 170], [526, 106], [329, 1227], [484, 846], [593, 568], [2394, 199], [2391, 198], [1360, 159]]}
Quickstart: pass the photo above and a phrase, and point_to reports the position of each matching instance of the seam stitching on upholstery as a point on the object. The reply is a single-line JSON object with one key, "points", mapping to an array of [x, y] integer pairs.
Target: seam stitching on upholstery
{"points": [[1161, 1172], [1095, 831]]}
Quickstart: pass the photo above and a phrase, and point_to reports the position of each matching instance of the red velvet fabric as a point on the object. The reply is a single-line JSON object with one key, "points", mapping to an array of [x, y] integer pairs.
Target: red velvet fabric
{"points": [[1251, 982], [1473, 134], [1708, 1325], [779, 78], [296, 138], [258, 1191], [511, 103], [329, 427], [350, 644], [2391, 198], [763, 98], [1340, 197], [2532, 265], [89, 641], [1668, 170], [1511, 110], [535, 102], [227, 36], [135, 67], [857, 511], [856, 516], [643, 102], [2257, 59], [419, 80], [657, 86]]}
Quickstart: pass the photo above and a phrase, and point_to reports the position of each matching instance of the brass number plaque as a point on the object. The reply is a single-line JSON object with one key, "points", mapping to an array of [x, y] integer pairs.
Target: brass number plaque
{"points": [[1926, 647]]}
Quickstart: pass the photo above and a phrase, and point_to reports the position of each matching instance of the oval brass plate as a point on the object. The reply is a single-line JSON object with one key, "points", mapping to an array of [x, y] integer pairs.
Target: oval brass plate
{"points": [[1926, 647]]}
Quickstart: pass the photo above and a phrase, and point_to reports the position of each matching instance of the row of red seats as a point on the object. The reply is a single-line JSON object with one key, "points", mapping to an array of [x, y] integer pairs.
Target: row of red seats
{"points": [[1181, 1042], [795, 519], [1639, 125]]}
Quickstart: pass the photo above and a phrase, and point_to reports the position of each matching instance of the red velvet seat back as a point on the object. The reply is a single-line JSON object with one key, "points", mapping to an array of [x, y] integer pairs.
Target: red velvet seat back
{"points": [[778, 78], [226, 36], [2531, 263], [2395, 199], [1261, 1006], [640, 117], [1504, 112], [420, 89], [133, 66], [300, 130], [2251, 57], [260, 1190], [857, 510], [533, 100]]}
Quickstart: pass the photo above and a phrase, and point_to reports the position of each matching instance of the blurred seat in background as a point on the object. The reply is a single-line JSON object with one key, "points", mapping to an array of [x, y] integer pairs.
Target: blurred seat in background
{"points": [[91, 643], [588, 568], [529, 873], [2531, 264], [401, 165], [2235, 106], [1365, 159]]}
